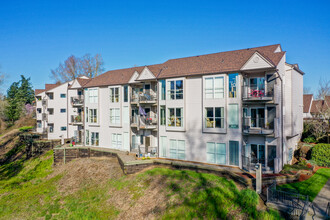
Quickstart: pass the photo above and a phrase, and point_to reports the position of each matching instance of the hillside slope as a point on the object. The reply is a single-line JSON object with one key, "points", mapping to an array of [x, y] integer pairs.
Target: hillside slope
{"points": [[96, 188]]}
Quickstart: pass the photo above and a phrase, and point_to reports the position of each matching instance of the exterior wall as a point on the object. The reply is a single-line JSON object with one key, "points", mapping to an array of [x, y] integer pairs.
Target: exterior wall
{"points": [[58, 119]]}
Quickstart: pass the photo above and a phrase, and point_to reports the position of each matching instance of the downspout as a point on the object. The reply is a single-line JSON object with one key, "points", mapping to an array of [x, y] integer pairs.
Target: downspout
{"points": [[282, 120]]}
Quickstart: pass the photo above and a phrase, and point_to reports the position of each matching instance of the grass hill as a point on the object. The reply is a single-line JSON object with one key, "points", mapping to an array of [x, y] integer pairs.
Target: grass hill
{"points": [[96, 188]]}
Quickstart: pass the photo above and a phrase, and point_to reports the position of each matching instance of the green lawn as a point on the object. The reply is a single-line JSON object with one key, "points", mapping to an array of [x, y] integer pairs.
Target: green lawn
{"points": [[311, 186], [28, 192]]}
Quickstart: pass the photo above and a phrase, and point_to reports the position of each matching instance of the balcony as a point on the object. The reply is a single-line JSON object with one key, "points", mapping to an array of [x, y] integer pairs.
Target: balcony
{"points": [[44, 102], [255, 94], [135, 121], [76, 119], [147, 122], [144, 98], [148, 97], [44, 117], [77, 100], [252, 126]]}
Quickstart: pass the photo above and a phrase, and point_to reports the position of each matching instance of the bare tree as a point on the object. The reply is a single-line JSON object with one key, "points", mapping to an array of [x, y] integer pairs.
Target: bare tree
{"points": [[324, 88], [74, 67], [307, 90]]}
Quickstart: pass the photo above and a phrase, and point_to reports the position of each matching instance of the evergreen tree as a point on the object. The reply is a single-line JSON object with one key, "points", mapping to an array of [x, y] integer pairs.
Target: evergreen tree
{"points": [[19, 94]]}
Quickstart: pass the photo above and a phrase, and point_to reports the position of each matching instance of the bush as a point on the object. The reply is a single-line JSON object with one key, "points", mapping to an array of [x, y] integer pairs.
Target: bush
{"points": [[309, 140], [26, 128], [321, 154]]}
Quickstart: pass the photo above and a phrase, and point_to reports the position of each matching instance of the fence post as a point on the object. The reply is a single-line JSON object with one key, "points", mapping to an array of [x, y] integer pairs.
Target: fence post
{"points": [[64, 156]]}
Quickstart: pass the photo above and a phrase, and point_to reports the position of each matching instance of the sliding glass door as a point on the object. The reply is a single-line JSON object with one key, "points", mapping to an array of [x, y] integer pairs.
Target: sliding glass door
{"points": [[258, 153], [233, 153]]}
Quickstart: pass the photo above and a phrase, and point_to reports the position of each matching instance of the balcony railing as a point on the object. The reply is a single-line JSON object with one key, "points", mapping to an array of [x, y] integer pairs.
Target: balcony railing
{"points": [[135, 121], [145, 97], [44, 117], [144, 122], [44, 102], [251, 93], [77, 100], [258, 126], [76, 119]]}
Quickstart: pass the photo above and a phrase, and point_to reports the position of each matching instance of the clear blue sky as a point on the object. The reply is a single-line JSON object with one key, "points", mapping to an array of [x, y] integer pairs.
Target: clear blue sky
{"points": [[35, 36]]}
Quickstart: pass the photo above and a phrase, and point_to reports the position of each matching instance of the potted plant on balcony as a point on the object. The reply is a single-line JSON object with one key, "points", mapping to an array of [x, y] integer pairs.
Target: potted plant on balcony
{"points": [[78, 118]]}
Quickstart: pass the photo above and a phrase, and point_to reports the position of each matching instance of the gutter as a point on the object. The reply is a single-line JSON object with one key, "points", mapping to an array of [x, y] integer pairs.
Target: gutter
{"points": [[282, 120]]}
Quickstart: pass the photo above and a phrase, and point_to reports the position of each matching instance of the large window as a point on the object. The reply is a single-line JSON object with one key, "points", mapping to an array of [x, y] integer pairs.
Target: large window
{"points": [[233, 115], [116, 141], [87, 137], [214, 87], [114, 95], [175, 117], [214, 117], [177, 149], [95, 139], [162, 115], [233, 85], [93, 95], [233, 153], [175, 89], [93, 115], [115, 116], [126, 93], [162, 89], [216, 153]]}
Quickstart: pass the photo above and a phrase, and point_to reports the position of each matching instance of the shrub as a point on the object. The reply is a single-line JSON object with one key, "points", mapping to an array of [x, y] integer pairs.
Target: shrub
{"points": [[309, 140], [26, 128], [321, 154]]}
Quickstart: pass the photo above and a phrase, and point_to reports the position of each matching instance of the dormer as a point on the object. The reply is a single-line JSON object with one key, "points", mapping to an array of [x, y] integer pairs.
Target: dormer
{"points": [[257, 61], [146, 74]]}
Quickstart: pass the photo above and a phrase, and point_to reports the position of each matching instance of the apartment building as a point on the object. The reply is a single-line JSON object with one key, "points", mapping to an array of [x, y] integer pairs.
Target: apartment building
{"points": [[234, 108], [60, 110]]}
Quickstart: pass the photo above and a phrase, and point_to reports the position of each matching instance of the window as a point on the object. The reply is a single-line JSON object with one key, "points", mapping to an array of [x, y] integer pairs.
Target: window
{"points": [[162, 115], [63, 128], [175, 89], [51, 128], [116, 141], [38, 98], [93, 115], [93, 95], [216, 153], [214, 87], [115, 116], [175, 117], [95, 139], [162, 89], [50, 95], [163, 146], [258, 153], [39, 110], [39, 124], [233, 81], [63, 95], [86, 114], [214, 117], [177, 149], [51, 111], [233, 153], [257, 117], [87, 137], [126, 93], [63, 110], [233, 116], [114, 95]]}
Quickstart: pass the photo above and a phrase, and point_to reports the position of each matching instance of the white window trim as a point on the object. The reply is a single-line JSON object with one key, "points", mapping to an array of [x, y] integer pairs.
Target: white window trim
{"points": [[114, 95], [116, 119], [168, 88]]}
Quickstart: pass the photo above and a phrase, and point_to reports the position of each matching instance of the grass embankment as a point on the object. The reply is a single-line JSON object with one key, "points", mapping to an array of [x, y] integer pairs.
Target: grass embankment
{"points": [[311, 186], [96, 189]]}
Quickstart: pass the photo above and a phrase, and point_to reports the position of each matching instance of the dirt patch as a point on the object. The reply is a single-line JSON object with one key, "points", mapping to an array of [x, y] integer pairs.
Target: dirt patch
{"points": [[150, 205], [86, 171]]}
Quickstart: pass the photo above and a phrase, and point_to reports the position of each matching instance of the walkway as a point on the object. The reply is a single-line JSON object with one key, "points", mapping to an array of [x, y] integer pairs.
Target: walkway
{"points": [[321, 200]]}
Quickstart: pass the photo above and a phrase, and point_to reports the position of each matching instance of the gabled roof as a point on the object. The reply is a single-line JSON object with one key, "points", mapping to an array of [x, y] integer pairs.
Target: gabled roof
{"points": [[38, 91], [307, 102], [230, 61], [51, 86], [114, 77]]}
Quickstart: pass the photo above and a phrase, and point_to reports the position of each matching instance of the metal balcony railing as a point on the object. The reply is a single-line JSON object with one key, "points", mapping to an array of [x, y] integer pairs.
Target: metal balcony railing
{"points": [[77, 100], [76, 119], [145, 97], [258, 126], [148, 122], [252, 93]]}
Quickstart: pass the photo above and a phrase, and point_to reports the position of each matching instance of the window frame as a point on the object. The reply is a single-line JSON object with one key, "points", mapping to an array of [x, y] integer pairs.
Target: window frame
{"points": [[214, 118], [169, 123], [61, 110], [116, 119], [216, 153], [213, 89], [93, 116], [114, 98], [93, 95], [175, 92]]}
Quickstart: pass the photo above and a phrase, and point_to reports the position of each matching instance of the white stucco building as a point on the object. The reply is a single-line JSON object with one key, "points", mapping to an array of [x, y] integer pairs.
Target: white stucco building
{"points": [[233, 108]]}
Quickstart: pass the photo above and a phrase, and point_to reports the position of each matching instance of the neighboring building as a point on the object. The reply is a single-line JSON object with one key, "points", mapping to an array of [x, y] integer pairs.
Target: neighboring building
{"points": [[320, 108], [233, 108], [58, 111], [308, 100]]}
